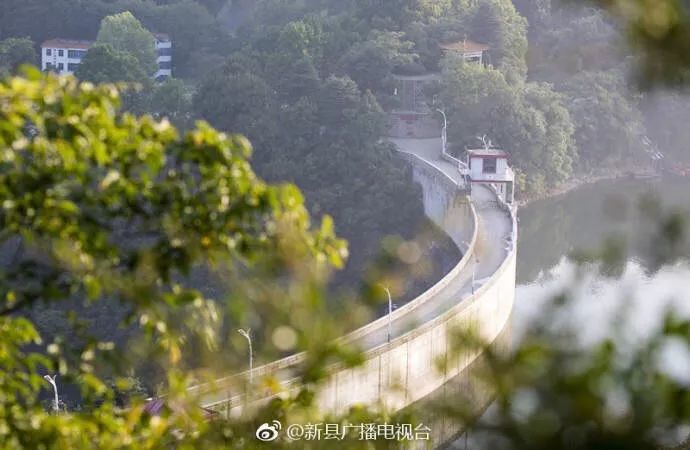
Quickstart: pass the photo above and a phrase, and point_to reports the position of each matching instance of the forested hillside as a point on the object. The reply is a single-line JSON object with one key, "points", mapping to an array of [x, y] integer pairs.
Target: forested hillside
{"points": [[309, 83], [327, 143], [570, 78], [582, 52], [308, 121]]}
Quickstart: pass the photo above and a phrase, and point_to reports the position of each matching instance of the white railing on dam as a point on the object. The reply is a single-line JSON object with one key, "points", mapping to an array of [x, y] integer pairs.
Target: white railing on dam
{"points": [[400, 372]]}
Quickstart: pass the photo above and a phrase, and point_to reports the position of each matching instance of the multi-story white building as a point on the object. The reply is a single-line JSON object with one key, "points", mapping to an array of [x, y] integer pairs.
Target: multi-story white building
{"points": [[164, 56], [64, 55]]}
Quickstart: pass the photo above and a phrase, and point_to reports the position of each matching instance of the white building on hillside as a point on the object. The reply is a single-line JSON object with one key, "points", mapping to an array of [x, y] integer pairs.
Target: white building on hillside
{"points": [[164, 56], [64, 55]]}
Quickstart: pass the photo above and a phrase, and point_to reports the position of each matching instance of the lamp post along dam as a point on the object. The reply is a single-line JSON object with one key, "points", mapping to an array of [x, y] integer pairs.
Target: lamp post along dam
{"points": [[471, 201]]}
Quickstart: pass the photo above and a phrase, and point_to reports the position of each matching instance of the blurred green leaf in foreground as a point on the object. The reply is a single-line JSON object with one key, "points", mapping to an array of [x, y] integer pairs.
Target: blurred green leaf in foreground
{"points": [[97, 205]]}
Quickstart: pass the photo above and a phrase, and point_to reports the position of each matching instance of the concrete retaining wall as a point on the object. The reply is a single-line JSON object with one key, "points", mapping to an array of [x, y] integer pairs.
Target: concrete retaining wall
{"points": [[444, 203]]}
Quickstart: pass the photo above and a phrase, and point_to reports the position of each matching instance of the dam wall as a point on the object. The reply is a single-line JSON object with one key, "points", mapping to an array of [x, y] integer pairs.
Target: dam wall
{"points": [[407, 369], [420, 359]]}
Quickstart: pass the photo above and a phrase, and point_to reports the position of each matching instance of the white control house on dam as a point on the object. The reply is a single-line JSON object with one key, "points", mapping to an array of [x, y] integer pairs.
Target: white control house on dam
{"points": [[490, 166]]}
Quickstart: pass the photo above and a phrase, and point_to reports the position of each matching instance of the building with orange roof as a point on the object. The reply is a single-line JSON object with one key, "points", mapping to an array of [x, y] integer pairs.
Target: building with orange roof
{"points": [[470, 51]]}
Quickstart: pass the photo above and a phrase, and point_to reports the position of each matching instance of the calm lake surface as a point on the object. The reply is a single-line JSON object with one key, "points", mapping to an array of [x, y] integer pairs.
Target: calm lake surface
{"points": [[582, 220]]}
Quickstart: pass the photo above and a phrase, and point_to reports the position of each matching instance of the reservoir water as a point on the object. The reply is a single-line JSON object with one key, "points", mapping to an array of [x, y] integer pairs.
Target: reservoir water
{"points": [[627, 212]]}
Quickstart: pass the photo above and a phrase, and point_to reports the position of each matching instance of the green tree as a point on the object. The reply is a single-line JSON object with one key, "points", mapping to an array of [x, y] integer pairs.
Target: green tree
{"points": [[575, 41], [339, 98], [299, 79], [324, 135], [432, 9], [199, 40], [472, 95], [291, 55], [485, 23], [173, 100], [371, 62], [103, 64], [302, 38], [609, 125], [329, 143], [213, 6], [372, 10], [126, 34], [109, 207], [529, 121], [556, 154], [14, 52], [497, 23], [41, 19], [238, 102], [537, 12]]}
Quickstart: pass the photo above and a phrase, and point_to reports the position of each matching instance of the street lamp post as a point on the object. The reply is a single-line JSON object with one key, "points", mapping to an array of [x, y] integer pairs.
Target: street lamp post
{"points": [[390, 311], [444, 132], [247, 336], [56, 400], [474, 272]]}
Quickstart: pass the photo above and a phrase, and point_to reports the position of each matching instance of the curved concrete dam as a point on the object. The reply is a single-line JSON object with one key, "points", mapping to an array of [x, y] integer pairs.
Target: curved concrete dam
{"points": [[477, 294]]}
